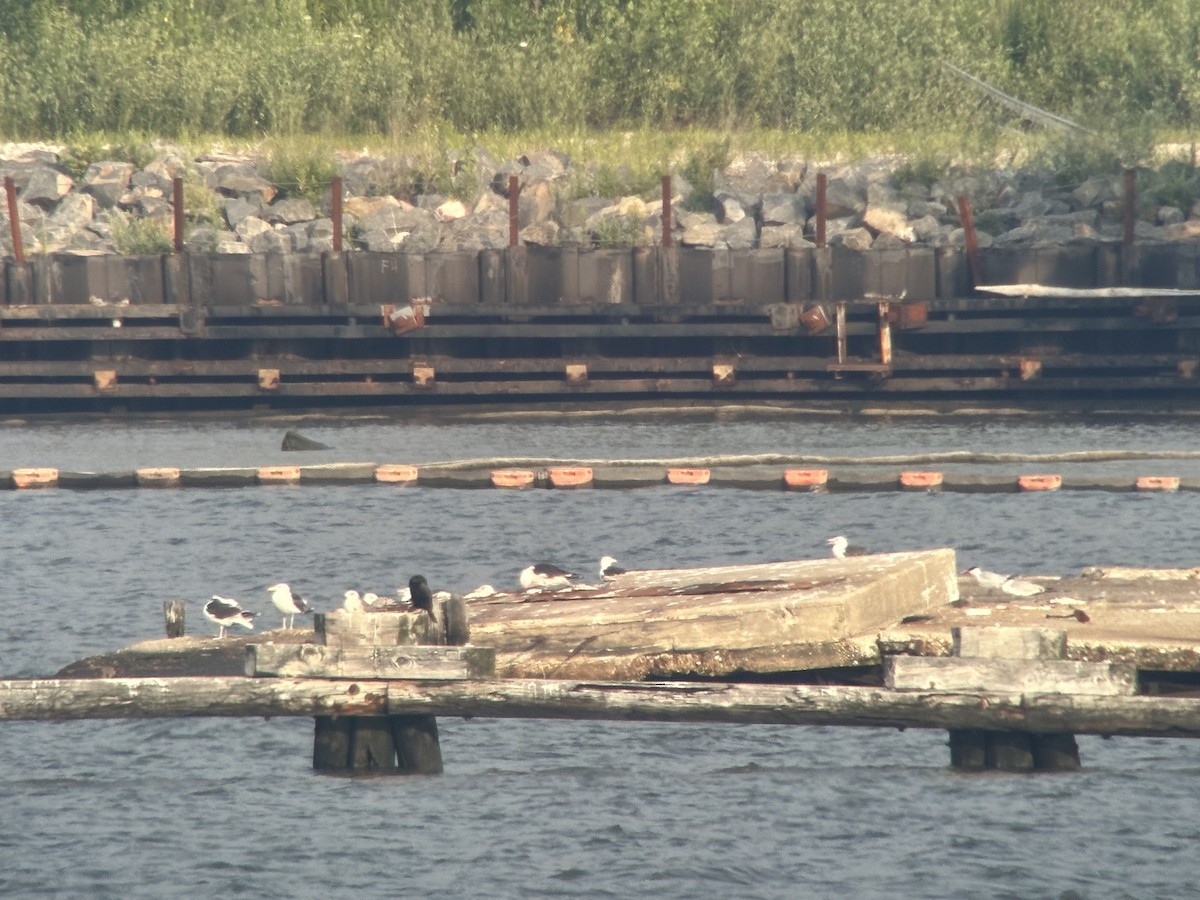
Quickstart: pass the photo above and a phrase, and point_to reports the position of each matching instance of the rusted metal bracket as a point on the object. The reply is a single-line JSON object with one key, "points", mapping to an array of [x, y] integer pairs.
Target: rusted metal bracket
{"points": [[399, 319]]}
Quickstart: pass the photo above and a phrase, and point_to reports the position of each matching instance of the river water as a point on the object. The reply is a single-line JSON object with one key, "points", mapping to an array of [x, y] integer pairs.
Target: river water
{"points": [[215, 807]]}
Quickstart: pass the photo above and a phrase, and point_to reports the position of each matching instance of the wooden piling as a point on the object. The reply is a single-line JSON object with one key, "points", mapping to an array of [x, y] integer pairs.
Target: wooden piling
{"points": [[14, 220], [177, 211], [174, 612], [968, 224], [822, 185], [336, 198]]}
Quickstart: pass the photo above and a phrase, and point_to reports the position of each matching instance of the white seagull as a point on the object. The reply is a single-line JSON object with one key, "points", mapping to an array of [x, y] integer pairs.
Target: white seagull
{"points": [[352, 601], [545, 576], [484, 590], [842, 547], [1019, 587], [225, 611], [288, 603], [986, 579], [609, 567]]}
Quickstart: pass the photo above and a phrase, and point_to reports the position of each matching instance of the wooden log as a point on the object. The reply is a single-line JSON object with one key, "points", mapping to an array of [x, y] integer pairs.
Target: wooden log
{"points": [[175, 612], [1051, 676], [418, 750], [372, 748], [1137, 716], [1009, 751], [1055, 752], [968, 749], [332, 740], [387, 662]]}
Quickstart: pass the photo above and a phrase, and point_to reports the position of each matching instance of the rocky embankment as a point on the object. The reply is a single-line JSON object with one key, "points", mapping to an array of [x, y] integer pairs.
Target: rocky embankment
{"points": [[756, 201]]}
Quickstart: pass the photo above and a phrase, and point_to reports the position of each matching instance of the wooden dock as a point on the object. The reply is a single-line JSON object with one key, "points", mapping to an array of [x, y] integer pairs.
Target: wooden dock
{"points": [[892, 640]]}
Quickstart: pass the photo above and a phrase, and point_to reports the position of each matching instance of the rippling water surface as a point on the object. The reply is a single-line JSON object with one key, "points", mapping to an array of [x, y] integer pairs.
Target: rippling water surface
{"points": [[187, 808]]}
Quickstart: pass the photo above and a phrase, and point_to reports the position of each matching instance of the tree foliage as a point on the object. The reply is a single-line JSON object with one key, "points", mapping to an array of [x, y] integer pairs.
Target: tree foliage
{"points": [[250, 67]]}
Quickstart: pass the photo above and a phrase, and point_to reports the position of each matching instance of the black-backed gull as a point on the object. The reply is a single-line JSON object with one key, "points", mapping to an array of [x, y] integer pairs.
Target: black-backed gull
{"points": [[225, 611], [288, 602]]}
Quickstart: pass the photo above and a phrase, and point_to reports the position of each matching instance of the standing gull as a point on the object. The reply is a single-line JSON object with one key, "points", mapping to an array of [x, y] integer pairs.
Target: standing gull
{"points": [[1019, 587], [986, 579], [609, 567], [225, 611], [288, 603], [842, 547], [545, 575]]}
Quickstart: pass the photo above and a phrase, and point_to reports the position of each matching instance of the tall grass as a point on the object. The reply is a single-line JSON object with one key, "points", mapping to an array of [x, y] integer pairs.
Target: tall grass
{"points": [[398, 69]]}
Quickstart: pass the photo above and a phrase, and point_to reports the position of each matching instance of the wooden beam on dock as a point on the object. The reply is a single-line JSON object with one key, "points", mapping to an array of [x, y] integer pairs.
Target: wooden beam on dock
{"points": [[714, 702], [413, 662]]}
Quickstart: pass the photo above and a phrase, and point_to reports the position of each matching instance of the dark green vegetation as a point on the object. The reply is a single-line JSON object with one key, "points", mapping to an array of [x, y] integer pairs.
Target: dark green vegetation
{"points": [[402, 68]]}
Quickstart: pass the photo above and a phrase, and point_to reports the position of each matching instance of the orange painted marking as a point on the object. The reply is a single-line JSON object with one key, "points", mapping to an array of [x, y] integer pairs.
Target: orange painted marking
{"points": [[1039, 482], [512, 478], [279, 474], [160, 477], [688, 476], [1157, 483], [565, 476], [805, 478], [922, 480], [29, 478], [396, 474]]}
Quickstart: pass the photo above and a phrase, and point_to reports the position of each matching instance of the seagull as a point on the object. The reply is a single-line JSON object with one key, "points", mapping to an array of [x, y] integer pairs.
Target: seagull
{"points": [[420, 595], [371, 599], [288, 603], [986, 579], [609, 567], [484, 590], [352, 602], [1019, 587], [843, 548], [225, 611], [545, 575]]}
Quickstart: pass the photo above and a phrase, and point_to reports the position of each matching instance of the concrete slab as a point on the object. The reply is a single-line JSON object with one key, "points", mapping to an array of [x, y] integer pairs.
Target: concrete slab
{"points": [[772, 617], [874, 480]]}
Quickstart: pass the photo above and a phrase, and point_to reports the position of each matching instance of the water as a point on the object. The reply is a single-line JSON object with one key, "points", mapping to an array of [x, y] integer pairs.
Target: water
{"points": [[186, 808]]}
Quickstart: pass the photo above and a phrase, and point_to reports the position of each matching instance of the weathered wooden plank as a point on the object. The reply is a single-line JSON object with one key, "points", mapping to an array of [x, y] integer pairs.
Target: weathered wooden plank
{"points": [[1047, 676], [1141, 716], [317, 661]]}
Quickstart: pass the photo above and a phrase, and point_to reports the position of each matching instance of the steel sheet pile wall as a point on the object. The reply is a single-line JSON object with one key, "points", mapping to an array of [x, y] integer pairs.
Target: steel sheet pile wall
{"points": [[528, 324]]}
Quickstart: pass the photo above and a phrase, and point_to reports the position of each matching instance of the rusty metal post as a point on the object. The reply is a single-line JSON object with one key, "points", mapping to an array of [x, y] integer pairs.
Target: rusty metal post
{"points": [[885, 334], [177, 211], [1130, 210], [514, 190], [336, 196], [839, 321], [666, 210], [14, 221], [822, 184], [968, 224]]}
